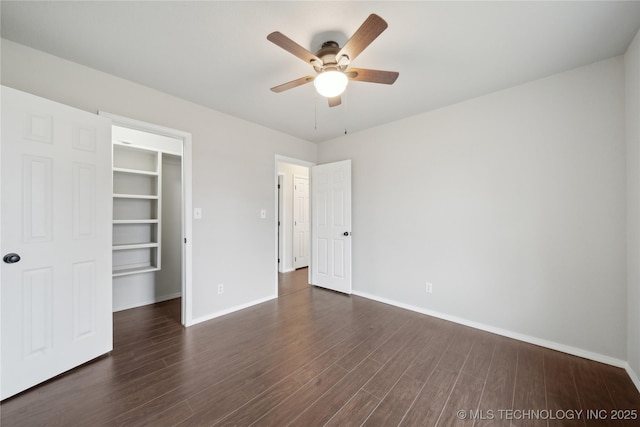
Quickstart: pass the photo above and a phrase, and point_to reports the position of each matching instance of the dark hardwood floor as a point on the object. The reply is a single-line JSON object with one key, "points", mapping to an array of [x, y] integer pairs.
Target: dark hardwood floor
{"points": [[314, 357]]}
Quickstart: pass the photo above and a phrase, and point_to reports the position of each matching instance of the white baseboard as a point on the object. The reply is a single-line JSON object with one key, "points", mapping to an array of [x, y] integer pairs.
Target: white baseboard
{"points": [[503, 332], [510, 334], [147, 302], [288, 270], [632, 374], [230, 310]]}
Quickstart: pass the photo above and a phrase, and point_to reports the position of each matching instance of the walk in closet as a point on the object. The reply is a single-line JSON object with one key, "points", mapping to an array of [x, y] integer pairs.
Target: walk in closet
{"points": [[147, 217]]}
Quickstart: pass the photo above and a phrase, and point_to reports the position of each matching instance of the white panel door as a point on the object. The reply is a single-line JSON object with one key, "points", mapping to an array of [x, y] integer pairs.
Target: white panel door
{"points": [[301, 228], [331, 226], [56, 216]]}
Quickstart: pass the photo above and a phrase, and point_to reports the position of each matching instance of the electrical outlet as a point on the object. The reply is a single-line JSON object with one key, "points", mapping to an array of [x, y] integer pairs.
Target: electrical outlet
{"points": [[428, 288], [221, 288]]}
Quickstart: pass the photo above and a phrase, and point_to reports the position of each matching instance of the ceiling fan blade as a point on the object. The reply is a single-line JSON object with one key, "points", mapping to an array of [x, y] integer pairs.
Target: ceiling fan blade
{"points": [[292, 84], [368, 31], [292, 47], [335, 101], [372, 76]]}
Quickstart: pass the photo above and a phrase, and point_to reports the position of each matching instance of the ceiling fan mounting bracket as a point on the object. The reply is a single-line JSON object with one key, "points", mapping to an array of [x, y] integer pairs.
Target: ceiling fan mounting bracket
{"points": [[327, 55], [330, 43]]}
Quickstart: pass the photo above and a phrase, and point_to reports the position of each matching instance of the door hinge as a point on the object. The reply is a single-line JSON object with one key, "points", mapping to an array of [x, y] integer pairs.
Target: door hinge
{"points": [[278, 260], [278, 186], [278, 223], [185, 240]]}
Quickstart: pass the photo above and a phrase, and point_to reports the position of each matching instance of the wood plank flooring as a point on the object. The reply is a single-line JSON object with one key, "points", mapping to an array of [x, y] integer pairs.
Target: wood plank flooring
{"points": [[314, 357]]}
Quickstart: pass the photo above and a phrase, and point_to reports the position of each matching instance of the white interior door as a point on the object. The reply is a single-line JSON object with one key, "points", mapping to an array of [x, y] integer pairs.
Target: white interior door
{"points": [[331, 226], [56, 215], [301, 228]]}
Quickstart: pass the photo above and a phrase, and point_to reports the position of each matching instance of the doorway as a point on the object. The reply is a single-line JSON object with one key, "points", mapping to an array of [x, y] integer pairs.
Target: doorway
{"points": [[330, 244], [293, 244], [152, 221]]}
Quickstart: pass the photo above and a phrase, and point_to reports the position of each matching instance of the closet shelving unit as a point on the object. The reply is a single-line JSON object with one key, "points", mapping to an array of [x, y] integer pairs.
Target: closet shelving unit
{"points": [[137, 201]]}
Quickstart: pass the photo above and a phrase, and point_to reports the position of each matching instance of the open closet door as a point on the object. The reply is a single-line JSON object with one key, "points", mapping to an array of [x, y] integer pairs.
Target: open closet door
{"points": [[56, 239], [331, 226]]}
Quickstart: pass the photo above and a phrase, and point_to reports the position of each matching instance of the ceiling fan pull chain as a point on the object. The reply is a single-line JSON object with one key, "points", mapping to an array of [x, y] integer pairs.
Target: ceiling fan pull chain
{"points": [[345, 97], [315, 110]]}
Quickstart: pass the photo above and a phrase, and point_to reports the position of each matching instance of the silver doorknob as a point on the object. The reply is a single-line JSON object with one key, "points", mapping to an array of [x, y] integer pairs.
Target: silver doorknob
{"points": [[11, 258]]}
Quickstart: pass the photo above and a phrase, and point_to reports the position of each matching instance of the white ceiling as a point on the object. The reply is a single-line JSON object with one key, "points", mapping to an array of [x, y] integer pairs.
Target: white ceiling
{"points": [[216, 53]]}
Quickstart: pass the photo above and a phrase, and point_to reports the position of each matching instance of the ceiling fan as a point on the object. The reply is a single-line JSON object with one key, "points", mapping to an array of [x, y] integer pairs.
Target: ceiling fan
{"points": [[331, 62]]}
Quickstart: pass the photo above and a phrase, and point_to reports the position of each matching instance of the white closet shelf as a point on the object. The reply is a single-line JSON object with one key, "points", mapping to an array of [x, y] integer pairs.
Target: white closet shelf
{"points": [[135, 270], [134, 196], [135, 221], [136, 171], [137, 209], [135, 246]]}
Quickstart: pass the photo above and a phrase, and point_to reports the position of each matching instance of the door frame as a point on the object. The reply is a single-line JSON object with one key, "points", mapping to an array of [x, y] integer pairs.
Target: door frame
{"points": [[284, 159], [187, 202], [279, 209]]}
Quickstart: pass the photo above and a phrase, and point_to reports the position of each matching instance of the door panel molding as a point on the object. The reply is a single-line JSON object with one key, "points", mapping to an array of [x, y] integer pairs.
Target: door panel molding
{"points": [[331, 226], [56, 215], [301, 219]]}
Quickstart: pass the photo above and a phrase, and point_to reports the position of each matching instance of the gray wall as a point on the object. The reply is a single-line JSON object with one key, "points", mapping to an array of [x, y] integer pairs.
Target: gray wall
{"points": [[632, 74], [511, 204], [168, 281]]}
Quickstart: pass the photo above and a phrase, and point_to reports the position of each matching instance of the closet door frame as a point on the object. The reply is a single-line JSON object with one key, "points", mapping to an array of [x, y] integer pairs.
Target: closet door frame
{"points": [[187, 203]]}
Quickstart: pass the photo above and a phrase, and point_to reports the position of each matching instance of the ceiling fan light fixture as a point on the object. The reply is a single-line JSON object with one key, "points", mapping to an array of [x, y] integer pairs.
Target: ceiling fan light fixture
{"points": [[331, 83]]}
